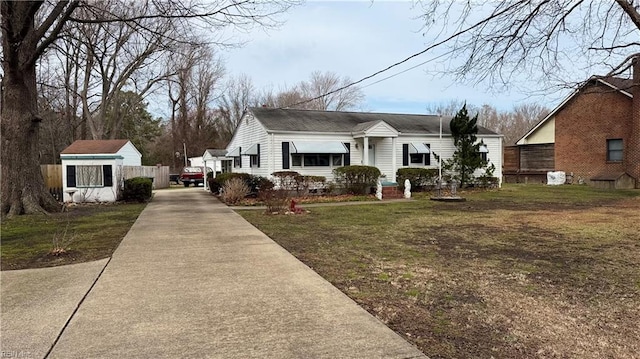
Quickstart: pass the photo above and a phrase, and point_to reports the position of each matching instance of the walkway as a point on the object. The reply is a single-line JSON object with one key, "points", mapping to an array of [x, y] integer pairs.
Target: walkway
{"points": [[193, 279]]}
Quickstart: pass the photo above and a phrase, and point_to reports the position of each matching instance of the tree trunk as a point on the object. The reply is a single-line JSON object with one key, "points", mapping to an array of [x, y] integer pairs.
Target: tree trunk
{"points": [[23, 189]]}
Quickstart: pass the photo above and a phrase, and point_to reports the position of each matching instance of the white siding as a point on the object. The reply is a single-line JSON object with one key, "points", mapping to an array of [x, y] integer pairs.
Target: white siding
{"points": [[250, 132], [93, 194], [131, 155], [444, 149], [494, 145]]}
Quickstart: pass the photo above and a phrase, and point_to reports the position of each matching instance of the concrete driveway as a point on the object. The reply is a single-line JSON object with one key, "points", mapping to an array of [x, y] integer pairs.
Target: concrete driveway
{"points": [[193, 279]]}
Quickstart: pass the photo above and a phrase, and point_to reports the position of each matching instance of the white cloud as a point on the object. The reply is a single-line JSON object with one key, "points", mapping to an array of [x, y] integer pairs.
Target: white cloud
{"points": [[356, 39]]}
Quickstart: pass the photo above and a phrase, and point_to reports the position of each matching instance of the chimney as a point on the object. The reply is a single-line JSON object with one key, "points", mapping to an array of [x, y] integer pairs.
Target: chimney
{"points": [[632, 157]]}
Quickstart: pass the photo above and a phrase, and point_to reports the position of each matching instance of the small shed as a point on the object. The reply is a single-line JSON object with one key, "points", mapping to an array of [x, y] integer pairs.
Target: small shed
{"points": [[92, 169]]}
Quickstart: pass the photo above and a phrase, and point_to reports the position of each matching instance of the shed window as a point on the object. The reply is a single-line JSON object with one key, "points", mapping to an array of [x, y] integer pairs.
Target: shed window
{"points": [[89, 176], [614, 150]]}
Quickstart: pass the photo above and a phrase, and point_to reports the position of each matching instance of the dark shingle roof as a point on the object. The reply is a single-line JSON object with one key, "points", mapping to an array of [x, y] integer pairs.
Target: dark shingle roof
{"points": [[274, 119], [216, 152], [94, 146]]}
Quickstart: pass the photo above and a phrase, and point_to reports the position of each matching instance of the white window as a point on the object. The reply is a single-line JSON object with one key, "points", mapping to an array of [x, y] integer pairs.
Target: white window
{"points": [[89, 176]]}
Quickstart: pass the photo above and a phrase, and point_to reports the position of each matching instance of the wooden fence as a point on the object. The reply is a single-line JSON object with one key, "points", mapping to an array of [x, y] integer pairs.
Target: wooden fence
{"points": [[52, 175], [160, 174]]}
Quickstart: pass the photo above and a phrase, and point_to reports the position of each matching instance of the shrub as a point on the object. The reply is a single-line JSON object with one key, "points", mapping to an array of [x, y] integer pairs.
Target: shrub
{"points": [[312, 184], [255, 183], [234, 190], [224, 177], [214, 185], [276, 200], [357, 179], [419, 177], [487, 182], [288, 180], [137, 189]]}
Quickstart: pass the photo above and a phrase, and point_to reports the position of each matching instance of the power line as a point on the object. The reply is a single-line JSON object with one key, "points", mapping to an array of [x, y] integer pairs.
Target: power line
{"points": [[409, 69], [461, 32]]}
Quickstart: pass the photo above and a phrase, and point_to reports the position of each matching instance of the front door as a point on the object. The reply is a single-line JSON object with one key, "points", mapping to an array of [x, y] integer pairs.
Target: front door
{"points": [[372, 155]]}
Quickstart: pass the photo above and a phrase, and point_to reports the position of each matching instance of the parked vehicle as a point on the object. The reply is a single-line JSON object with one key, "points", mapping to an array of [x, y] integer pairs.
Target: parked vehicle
{"points": [[175, 178], [192, 175]]}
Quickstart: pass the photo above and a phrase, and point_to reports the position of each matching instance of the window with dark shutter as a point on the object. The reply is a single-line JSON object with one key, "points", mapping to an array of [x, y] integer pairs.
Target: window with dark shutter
{"points": [[427, 156], [71, 176], [258, 159], [285, 156], [405, 154], [347, 156], [108, 175]]}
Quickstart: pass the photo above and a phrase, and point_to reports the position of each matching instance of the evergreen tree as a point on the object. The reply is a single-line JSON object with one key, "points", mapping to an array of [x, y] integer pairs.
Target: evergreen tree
{"points": [[466, 158]]}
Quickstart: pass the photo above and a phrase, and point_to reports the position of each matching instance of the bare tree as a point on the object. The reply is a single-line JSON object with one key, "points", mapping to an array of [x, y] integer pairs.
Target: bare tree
{"points": [[192, 92], [29, 28], [237, 96], [511, 124], [325, 83], [499, 40], [310, 94]]}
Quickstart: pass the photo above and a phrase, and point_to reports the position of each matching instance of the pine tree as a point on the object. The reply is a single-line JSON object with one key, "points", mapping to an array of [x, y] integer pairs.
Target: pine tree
{"points": [[466, 158]]}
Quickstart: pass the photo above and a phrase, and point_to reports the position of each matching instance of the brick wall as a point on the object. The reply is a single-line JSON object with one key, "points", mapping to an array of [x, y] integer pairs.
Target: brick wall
{"points": [[583, 126]]}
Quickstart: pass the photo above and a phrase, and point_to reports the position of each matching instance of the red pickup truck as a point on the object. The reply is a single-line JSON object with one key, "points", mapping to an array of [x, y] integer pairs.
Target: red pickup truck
{"points": [[191, 175]]}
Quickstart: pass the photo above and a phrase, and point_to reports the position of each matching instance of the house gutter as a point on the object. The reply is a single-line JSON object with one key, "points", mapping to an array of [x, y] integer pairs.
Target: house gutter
{"points": [[91, 157]]}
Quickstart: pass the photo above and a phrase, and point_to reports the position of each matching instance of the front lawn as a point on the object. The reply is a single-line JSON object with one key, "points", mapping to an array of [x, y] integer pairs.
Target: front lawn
{"points": [[85, 232], [525, 271]]}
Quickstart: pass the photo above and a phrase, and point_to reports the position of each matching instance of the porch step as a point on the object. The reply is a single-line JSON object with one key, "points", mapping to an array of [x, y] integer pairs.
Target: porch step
{"points": [[391, 192]]}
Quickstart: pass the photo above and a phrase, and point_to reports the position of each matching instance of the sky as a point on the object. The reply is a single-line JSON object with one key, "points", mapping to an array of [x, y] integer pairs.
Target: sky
{"points": [[356, 39]]}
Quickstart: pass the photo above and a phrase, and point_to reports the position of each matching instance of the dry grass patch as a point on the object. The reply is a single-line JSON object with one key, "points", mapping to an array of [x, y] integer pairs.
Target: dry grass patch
{"points": [[514, 273]]}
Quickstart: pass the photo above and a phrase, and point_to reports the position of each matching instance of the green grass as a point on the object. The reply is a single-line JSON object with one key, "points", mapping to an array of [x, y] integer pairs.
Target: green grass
{"points": [[469, 279], [86, 232]]}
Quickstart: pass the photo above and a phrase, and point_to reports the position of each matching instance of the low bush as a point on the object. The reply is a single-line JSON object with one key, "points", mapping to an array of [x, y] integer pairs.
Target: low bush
{"points": [[357, 179], [312, 184], [224, 177], [418, 177], [487, 182], [137, 189], [234, 190], [276, 200], [258, 184], [287, 180], [255, 183], [214, 185]]}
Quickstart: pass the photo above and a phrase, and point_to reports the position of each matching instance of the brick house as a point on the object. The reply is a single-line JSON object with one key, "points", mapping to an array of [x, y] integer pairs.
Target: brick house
{"points": [[593, 136]]}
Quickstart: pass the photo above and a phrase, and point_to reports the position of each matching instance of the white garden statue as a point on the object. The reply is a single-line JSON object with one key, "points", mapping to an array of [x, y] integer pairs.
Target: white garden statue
{"points": [[407, 189], [379, 190]]}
